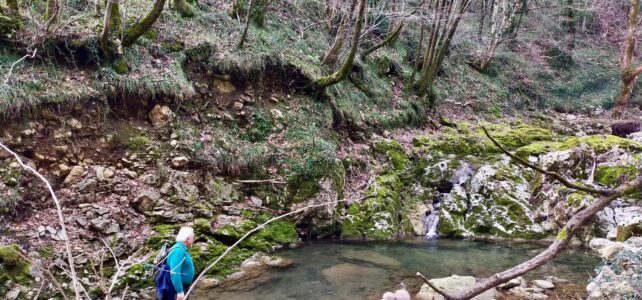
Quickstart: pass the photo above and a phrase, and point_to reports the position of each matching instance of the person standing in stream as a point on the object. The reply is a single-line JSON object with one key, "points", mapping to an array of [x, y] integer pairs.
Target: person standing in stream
{"points": [[180, 262]]}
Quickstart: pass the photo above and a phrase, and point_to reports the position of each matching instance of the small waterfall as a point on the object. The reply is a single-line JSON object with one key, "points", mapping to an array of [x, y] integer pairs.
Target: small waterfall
{"points": [[431, 222]]}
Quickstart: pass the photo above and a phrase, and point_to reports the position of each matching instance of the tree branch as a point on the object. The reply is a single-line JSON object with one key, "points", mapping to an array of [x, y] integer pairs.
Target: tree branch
{"points": [[434, 287], [556, 176]]}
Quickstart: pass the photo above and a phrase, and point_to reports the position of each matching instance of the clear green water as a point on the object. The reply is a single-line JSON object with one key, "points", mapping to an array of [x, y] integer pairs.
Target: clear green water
{"points": [[365, 270]]}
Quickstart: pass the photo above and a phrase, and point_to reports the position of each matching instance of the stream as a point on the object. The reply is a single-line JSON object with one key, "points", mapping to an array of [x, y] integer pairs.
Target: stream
{"points": [[365, 270]]}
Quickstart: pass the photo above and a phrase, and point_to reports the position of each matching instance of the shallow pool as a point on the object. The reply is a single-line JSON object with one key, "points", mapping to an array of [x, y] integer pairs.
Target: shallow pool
{"points": [[364, 270]]}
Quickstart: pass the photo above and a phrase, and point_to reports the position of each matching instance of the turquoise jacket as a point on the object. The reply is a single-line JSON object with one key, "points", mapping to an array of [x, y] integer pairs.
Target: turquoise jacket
{"points": [[181, 266]]}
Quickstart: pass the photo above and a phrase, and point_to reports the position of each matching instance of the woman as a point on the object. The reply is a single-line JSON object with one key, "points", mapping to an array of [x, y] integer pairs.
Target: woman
{"points": [[180, 262]]}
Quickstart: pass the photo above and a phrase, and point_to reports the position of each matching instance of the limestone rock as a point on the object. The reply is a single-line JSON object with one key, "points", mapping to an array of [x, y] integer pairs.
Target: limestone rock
{"points": [[452, 284], [180, 161], [160, 115], [606, 248], [75, 173], [256, 200], [146, 200], [545, 284], [238, 106], [528, 293], [104, 225]]}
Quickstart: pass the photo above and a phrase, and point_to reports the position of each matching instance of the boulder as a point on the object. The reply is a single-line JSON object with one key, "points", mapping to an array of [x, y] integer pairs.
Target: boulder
{"points": [[160, 115], [146, 200], [453, 284], [75, 173], [545, 284]]}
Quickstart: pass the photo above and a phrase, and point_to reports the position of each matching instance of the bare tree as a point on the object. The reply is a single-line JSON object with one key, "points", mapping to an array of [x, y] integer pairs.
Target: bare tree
{"points": [[247, 24], [444, 20], [111, 22], [628, 73], [504, 19], [565, 235]]}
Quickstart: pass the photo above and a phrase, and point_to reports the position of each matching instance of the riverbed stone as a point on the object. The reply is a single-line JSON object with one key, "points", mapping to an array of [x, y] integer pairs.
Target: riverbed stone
{"points": [[528, 293], [451, 285], [372, 257], [352, 278], [545, 284]]}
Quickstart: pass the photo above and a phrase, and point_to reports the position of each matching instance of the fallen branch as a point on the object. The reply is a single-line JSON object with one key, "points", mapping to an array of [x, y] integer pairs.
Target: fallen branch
{"points": [[556, 176], [249, 233], [273, 180], [61, 219]]}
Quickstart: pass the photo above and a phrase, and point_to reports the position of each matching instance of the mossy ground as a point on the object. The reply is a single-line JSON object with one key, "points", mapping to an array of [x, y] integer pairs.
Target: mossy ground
{"points": [[12, 266]]}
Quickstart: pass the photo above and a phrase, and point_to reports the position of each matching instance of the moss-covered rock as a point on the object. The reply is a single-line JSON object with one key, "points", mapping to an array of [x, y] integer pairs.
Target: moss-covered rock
{"points": [[120, 66], [12, 266], [394, 152], [615, 175], [599, 144], [379, 217]]}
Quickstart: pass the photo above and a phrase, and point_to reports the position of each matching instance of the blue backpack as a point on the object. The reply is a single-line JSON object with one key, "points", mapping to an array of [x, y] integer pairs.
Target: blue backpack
{"points": [[164, 288]]}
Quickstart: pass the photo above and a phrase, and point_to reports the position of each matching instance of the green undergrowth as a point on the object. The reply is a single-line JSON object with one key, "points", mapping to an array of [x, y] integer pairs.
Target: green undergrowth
{"points": [[599, 144]]}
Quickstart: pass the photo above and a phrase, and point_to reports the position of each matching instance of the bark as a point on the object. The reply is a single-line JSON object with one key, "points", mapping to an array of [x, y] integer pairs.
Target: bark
{"points": [[332, 55], [247, 24], [52, 11], [389, 40], [444, 23], [628, 75], [562, 240], [103, 39], [343, 71], [138, 29], [183, 8]]}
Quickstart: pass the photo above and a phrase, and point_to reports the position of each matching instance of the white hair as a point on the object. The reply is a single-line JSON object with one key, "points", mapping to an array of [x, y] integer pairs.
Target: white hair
{"points": [[184, 234]]}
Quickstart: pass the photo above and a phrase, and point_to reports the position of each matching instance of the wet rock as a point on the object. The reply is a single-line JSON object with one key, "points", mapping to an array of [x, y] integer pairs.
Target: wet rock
{"points": [[528, 293], [75, 173], [545, 284], [606, 248], [452, 284], [371, 257], [146, 200], [180, 161], [160, 115], [519, 281]]}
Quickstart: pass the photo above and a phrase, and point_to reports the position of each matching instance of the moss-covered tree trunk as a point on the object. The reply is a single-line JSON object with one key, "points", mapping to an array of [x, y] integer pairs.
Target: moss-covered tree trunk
{"points": [[444, 20], [134, 32], [342, 72], [52, 11], [183, 8], [389, 40], [331, 56], [628, 74], [103, 39], [115, 20]]}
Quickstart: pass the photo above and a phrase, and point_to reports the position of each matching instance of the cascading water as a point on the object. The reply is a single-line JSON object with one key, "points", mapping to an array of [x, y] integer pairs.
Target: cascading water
{"points": [[460, 176]]}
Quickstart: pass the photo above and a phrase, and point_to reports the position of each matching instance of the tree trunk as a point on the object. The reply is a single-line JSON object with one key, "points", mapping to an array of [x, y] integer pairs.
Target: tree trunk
{"points": [[444, 24], [247, 24], [138, 29], [628, 75], [103, 39], [51, 15], [392, 36], [342, 72], [183, 8], [570, 24], [332, 55], [115, 21]]}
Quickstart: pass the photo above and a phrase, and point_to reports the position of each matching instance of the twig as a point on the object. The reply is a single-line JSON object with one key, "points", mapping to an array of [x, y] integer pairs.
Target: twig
{"points": [[32, 55], [555, 175], [61, 219], [46, 271], [438, 290], [200, 276], [273, 180]]}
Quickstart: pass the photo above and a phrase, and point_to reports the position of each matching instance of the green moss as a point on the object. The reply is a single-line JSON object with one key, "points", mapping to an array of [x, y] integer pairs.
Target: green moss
{"points": [[613, 175], [133, 138], [451, 224], [12, 266], [300, 190], [599, 143], [377, 217], [120, 66], [275, 233], [512, 137], [167, 229], [562, 235], [202, 227], [576, 198], [394, 152], [204, 254]]}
